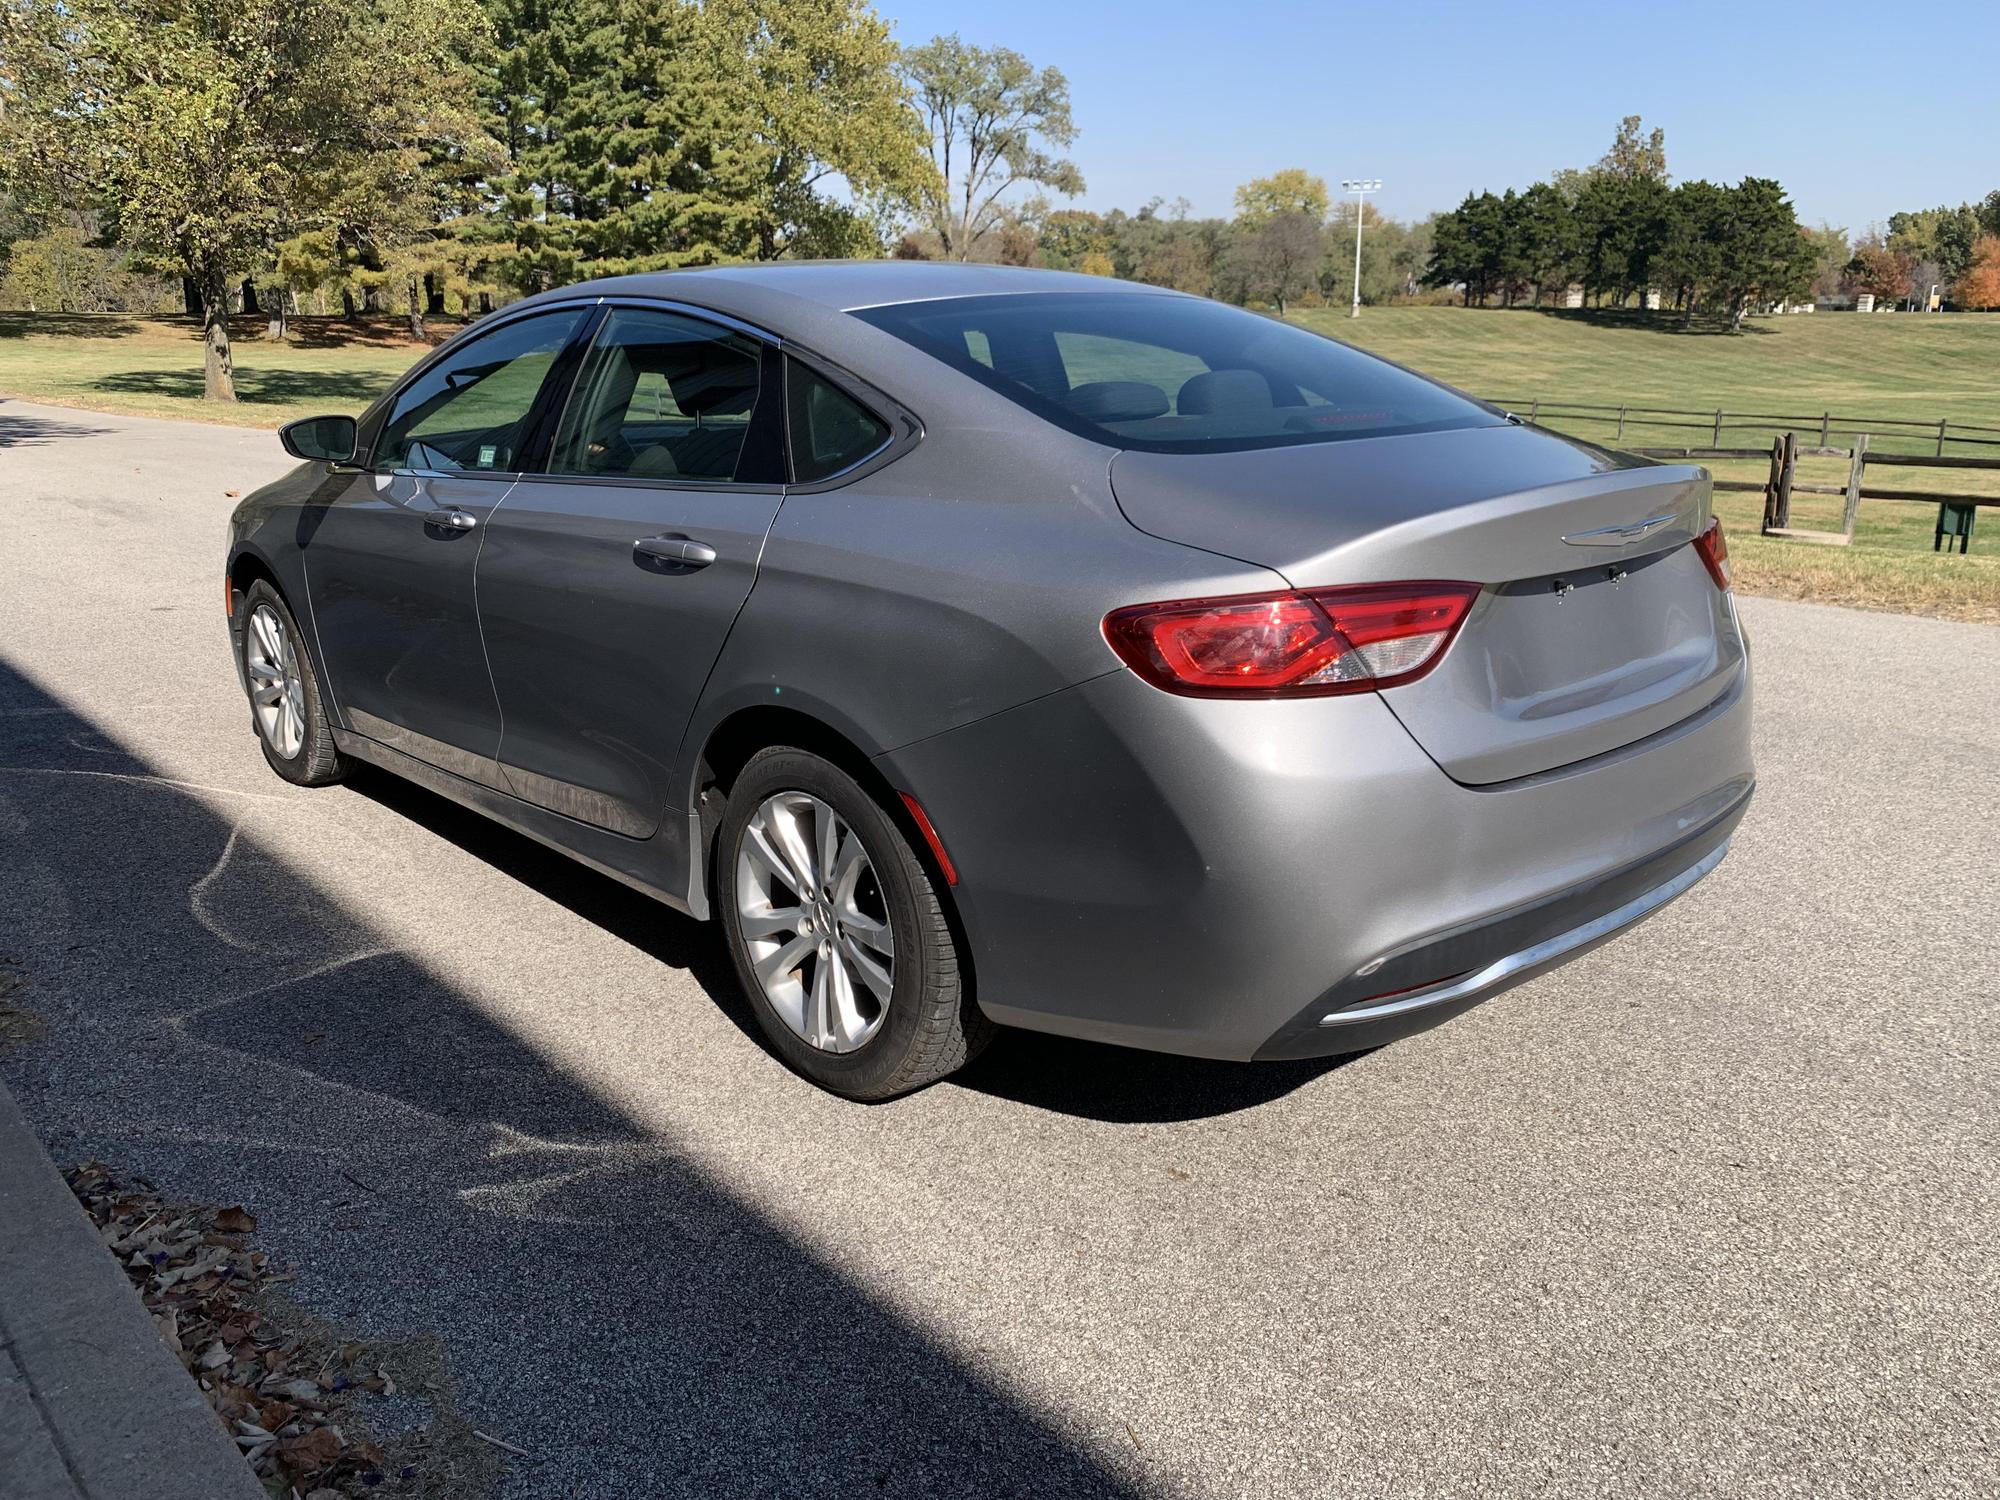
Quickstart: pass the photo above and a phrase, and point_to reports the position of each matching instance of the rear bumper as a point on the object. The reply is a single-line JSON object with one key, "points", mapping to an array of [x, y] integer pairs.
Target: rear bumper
{"points": [[1479, 962], [1210, 878]]}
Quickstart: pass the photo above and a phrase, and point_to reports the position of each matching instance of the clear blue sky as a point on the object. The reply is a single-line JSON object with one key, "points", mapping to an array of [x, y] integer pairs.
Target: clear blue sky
{"points": [[1857, 110]]}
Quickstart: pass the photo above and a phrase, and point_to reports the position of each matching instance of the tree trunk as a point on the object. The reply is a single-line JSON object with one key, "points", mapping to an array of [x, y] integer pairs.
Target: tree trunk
{"points": [[347, 307], [433, 294], [485, 303], [250, 298], [218, 376], [274, 325], [417, 310], [191, 296]]}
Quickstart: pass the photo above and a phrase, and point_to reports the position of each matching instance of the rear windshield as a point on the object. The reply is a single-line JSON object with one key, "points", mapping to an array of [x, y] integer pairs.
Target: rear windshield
{"points": [[1171, 374]]}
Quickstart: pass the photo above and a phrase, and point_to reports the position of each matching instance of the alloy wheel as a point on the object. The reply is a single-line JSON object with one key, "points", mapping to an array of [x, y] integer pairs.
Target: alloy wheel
{"points": [[814, 920], [277, 688]]}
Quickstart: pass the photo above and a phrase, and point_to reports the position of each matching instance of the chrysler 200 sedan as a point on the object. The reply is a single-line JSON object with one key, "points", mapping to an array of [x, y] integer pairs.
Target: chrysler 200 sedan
{"points": [[992, 647]]}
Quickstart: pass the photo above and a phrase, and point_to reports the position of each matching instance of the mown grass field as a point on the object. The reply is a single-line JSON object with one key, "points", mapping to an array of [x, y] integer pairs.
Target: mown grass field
{"points": [[1884, 365], [151, 366], [1887, 365]]}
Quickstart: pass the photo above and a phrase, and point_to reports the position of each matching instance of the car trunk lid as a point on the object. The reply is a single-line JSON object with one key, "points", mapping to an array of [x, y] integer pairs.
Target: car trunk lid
{"points": [[1597, 624]]}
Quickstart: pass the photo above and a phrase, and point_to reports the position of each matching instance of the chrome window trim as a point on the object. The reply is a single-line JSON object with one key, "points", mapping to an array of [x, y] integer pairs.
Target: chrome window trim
{"points": [[490, 323]]}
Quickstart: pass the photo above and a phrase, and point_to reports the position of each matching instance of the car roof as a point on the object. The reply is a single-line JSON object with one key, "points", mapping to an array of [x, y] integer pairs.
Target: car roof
{"points": [[849, 285]]}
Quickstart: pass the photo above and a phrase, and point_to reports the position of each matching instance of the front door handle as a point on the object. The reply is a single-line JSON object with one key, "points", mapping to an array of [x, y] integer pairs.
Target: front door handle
{"points": [[451, 520], [684, 550]]}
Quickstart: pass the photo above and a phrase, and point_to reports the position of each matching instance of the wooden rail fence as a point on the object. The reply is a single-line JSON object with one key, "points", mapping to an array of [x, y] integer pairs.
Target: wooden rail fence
{"points": [[1911, 432], [1782, 482]]}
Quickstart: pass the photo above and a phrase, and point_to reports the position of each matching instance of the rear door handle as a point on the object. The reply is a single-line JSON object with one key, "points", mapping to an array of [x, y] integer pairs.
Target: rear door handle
{"points": [[451, 520], [676, 549]]}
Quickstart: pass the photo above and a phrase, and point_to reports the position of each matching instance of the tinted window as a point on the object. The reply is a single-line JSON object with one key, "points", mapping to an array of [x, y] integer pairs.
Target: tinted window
{"points": [[1173, 374], [831, 431], [661, 396], [470, 410]]}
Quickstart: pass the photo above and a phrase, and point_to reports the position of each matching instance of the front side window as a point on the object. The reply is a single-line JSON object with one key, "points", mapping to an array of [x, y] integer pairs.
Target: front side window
{"points": [[1172, 374], [661, 396], [470, 411], [830, 430]]}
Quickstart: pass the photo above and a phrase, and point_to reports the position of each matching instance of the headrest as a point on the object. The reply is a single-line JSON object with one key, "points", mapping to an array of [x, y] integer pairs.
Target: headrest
{"points": [[1117, 401], [1225, 390], [725, 386]]}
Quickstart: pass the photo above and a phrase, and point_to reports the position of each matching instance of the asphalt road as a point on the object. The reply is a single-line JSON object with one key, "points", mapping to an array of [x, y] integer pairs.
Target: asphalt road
{"points": [[1711, 1211]]}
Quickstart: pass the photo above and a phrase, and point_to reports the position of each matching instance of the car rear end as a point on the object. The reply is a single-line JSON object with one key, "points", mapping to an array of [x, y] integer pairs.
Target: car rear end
{"points": [[1491, 710]]}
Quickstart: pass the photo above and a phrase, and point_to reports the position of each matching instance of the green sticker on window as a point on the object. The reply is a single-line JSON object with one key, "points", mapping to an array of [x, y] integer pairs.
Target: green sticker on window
{"points": [[487, 453]]}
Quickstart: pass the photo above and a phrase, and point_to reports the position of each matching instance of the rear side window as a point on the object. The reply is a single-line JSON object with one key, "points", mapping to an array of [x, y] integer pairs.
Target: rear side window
{"points": [[1172, 374], [830, 430], [469, 411], [661, 396]]}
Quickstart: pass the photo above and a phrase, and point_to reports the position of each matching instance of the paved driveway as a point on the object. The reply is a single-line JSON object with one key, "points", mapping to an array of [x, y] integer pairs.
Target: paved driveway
{"points": [[1712, 1210]]}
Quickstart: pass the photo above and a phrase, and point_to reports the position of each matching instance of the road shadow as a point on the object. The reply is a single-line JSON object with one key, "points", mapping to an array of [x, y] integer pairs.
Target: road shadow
{"points": [[221, 1023], [1086, 1079], [18, 430], [1123, 1086]]}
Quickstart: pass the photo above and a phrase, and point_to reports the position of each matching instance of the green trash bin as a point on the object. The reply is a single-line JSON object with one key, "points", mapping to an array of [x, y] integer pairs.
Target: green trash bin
{"points": [[1954, 521]]}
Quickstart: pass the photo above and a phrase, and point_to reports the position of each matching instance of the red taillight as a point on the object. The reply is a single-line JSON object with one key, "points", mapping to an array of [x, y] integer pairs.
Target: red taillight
{"points": [[228, 598], [1714, 553], [1350, 640]]}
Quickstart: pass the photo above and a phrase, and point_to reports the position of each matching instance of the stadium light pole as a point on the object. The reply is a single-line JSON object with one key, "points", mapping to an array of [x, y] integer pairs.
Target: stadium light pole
{"points": [[1361, 187]]}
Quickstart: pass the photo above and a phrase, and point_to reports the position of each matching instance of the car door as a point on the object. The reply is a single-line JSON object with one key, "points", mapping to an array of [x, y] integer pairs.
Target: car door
{"points": [[608, 583], [389, 562]]}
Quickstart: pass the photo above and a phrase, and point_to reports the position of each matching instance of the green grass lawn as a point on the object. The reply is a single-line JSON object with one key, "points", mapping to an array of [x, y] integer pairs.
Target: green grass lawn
{"points": [[152, 365], [1886, 365]]}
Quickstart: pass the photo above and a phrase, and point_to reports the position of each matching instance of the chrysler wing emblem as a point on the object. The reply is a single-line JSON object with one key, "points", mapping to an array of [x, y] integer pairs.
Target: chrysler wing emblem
{"points": [[1617, 536]]}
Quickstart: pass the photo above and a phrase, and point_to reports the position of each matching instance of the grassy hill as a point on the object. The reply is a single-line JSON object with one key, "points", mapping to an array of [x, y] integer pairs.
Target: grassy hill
{"points": [[1887, 364]]}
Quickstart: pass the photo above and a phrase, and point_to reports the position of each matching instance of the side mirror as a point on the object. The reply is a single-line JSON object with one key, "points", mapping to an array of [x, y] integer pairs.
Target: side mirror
{"points": [[331, 439]]}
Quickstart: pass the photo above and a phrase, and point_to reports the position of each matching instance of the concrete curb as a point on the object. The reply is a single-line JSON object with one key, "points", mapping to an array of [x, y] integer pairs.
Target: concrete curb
{"points": [[93, 1406]]}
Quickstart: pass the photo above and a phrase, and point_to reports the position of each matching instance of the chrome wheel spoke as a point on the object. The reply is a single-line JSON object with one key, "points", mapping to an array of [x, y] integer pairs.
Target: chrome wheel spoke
{"points": [[771, 864], [795, 844], [277, 687], [873, 974], [772, 922], [810, 914], [849, 1024], [783, 960], [819, 1004]]}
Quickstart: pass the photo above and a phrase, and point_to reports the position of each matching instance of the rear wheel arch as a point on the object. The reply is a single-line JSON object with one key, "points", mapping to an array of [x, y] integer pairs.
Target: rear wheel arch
{"points": [[739, 736]]}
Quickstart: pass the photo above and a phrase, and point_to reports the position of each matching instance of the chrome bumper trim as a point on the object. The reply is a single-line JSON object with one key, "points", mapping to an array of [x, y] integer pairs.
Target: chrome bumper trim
{"points": [[1503, 969]]}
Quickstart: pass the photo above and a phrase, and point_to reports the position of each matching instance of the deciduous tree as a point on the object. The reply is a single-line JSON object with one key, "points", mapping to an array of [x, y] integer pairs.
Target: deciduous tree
{"points": [[1291, 191], [991, 117], [1979, 287]]}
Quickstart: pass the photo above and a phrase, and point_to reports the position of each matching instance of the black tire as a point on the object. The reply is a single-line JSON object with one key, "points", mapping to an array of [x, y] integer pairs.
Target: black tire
{"points": [[931, 1025], [317, 762]]}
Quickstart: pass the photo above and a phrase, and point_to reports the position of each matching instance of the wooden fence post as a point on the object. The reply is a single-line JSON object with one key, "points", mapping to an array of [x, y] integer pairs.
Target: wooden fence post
{"points": [[1621, 424], [1942, 422], [1824, 419], [1535, 411], [1718, 428], [1855, 465], [1790, 445], [1771, 484]]}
